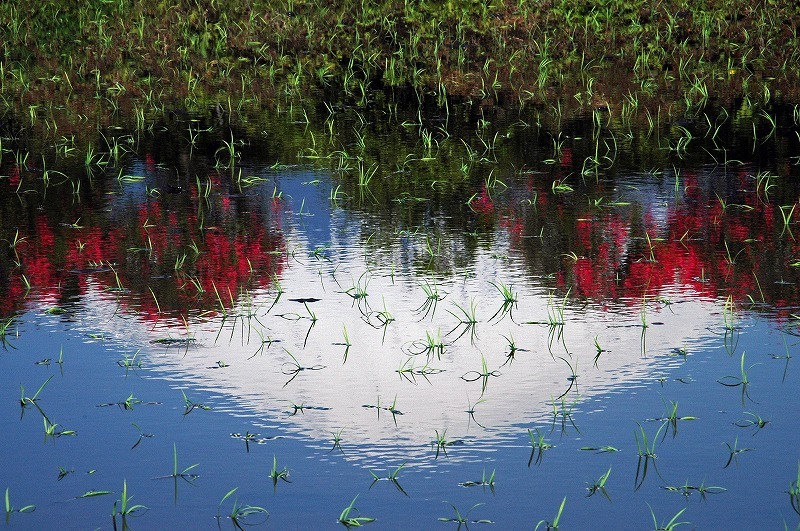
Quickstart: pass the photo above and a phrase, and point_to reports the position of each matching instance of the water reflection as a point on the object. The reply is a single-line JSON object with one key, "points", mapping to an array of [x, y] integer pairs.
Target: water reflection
{"points": [[211, 248], [432, 316], [308, 311]]}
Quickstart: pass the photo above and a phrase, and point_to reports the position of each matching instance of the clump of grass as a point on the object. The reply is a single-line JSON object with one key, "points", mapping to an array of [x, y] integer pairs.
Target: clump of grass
{"points": [[128, 404], [563, 410], [382, 318], [553, 526], [599, 449], [538, 446], [441, 442], [51, 432], [142, 435], [467, 317], [26, 401], [278, 474], [646, 449], [189, 405], [391, 477], [671, 524], [471, 411], [239, 511], [63, 472], [555, 311], [598, 351], [4, 326], [125, 507], [485, 481], [741, 380], [358, 291], [734, 451], [391, 408], [793, 492], [671, 417], [410, 372], [509, 301], [599, 485], [183, 474], [572, 378], [9, 509], [432, 297], [482, 375], [464, 519], [349, 521], [130, 362], [753, 421], [686, 489], [430, 346], [248, 438], [512, 349], [293, 368]]}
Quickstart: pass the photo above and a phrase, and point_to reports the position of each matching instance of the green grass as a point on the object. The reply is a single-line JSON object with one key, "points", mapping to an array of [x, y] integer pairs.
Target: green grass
{"points": [[668, 525], [241, 514], [687, 489], [538, 446], [432, 297], [467, 318], [392, 477], [509, 301], [189, 405], [441, 442], [4, 326], [794, 492], [26, 401], [741, 380], [753, 420], [646, 447], [9, 508], [483, 374], [485, 481], [347, 519], [404, 35], [553, 526], [464, 520], [278, 474], [671, 418], [126, 508], [293, 368], [599, 485]]}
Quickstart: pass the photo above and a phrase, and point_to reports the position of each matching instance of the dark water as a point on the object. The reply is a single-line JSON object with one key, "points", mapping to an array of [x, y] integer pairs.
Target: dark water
{"points": [[670, 250]]}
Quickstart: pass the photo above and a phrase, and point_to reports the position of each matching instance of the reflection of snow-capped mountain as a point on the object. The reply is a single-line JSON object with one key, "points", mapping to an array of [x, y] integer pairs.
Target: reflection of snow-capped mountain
{"points": [[246, 355]]}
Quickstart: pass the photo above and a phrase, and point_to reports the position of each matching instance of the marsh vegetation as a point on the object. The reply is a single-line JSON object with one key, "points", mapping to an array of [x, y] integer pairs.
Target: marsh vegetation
{"points": [[399, 265]]}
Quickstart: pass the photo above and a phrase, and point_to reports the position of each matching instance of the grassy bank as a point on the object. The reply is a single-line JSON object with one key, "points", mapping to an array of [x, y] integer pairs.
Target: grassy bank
{"points": [[497, 51]]}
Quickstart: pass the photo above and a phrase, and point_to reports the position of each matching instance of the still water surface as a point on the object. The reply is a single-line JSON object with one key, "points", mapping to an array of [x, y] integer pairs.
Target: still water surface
{"points": [[294, 307]]}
